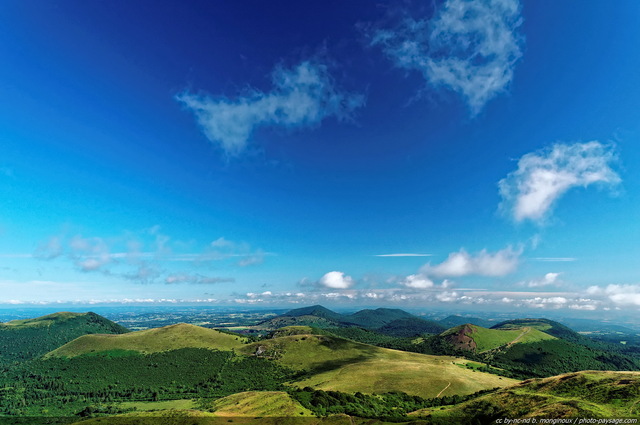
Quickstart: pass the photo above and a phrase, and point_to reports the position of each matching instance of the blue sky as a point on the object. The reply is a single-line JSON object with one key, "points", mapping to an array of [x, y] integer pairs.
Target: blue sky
{"points": [[460, 154]]}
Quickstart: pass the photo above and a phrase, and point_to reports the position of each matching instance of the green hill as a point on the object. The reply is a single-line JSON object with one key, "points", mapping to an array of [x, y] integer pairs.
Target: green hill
{"points": [[524, 351], [410, 327], [587, 394], [321, 317], [314, 310], [545, 325], [167, 338], [479, 339], [333, 363], [306, 320], [375, 318], [457, 320], [259, 404], [22, 340]]}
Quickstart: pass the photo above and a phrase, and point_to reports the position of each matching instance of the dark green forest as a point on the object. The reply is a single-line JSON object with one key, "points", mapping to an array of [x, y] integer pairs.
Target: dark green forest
{"points": [[60, 386]]}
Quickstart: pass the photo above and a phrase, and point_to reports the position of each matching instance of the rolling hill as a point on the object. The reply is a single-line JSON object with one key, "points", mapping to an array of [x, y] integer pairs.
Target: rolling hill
{"points": [[589, 394], [333, 363], [314, 310], [479, 339], [375, 318], [386, 321], [22, 340], [410, 327], [259, 404], [524, 350], [167, 338], [457, 320]]}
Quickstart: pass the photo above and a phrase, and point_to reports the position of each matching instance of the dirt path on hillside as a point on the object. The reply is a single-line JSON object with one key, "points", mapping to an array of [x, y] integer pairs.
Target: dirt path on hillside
{"points": [[444, 389], [524, 332]]}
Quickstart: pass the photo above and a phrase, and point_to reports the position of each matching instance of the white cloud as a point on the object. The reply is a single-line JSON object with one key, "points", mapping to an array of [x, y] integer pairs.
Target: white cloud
{"points": [[546, 280], [544, 176], [447, 297], [301, 97], [551, 302], [484, 263], [470, 47], [336, 280], [618, 294], [417, 281]]}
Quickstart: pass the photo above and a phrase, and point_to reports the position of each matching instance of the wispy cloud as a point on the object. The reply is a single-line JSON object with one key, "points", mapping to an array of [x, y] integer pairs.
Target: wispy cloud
{"points": [[196, 279], [470, 47], [150, 265], [403, 255], [483, 263], [302, 96], [544, 176]]}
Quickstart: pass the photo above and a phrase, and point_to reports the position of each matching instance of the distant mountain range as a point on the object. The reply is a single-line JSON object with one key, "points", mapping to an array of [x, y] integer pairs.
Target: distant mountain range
{"points": [[387, 321]]}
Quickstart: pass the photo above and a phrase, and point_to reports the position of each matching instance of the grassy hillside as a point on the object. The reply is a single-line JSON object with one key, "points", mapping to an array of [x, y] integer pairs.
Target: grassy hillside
{"points": [[337, 364], [151, 341], [314, 310], [477, 338], [587, 394], [22, 340], [259, 403], [195, 417]]}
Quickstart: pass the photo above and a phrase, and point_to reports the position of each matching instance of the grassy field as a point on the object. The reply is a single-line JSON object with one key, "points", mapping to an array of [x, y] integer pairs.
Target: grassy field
{"points": [[591, 394], [342, 365], [259, 403], [151, 341], [148, 406]]}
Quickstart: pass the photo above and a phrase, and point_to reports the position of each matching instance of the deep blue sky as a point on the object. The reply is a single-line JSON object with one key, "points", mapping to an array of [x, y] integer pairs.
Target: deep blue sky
{"points": [[269, 152]]}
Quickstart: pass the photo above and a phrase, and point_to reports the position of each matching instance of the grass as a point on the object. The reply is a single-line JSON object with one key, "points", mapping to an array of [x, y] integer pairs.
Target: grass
{"points": [[592, 394], [191, 417], [148, 406], [488, 339], [341, 365], [151, 341], [260, 403], [43, 321]]}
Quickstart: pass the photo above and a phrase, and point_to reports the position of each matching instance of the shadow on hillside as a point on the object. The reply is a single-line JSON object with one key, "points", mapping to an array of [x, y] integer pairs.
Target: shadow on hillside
{"points": [[364, 353]]}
